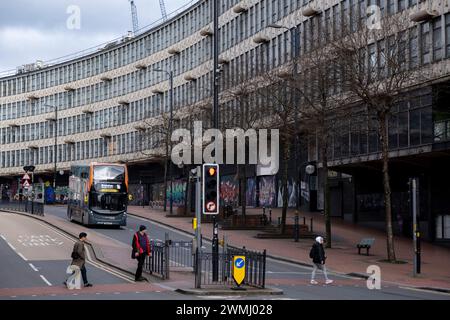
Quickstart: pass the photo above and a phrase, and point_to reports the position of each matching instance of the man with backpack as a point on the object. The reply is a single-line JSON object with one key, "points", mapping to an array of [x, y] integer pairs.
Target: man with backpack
{"points": [[317, 254], [141, 249]]}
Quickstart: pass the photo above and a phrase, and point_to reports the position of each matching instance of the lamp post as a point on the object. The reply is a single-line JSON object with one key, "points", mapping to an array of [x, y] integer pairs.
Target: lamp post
{"points": [[170, 75], [55, 150]]}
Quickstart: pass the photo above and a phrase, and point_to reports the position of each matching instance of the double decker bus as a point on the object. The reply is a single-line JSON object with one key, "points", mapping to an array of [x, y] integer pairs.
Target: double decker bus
{"points": [[98, 194]]}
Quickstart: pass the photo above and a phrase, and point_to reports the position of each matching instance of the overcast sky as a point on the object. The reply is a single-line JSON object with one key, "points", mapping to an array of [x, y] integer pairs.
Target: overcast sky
{"points": [[33, 30]]}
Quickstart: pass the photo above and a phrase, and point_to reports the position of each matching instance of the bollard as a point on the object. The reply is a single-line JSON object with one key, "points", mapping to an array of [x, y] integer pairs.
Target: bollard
{"points": [[270, 215], [304, 220], [279, 221], [264, 210], [311, 224], [296, 229]]}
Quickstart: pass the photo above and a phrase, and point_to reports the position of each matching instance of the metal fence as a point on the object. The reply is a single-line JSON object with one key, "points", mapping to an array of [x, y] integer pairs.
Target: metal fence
{"points": [[255, 273], [158, 261], [32, 207], [181, 254]]}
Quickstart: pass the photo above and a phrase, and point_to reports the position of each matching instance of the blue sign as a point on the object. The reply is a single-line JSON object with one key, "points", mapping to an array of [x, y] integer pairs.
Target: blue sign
{"points": [[239, 263]]}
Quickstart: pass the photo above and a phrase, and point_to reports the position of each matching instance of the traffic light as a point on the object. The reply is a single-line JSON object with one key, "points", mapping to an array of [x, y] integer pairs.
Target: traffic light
{"points": [[210, 189]]}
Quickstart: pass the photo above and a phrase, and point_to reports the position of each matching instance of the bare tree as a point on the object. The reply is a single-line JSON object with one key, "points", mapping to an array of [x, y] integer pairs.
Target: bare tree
{"points": [[243, 116], [278, 110], [376, 70], [322, 107]]}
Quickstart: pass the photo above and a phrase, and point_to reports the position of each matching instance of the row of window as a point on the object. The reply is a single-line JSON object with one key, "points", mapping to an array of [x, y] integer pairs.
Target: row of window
{"points": [[233, 32], [89, 149]]}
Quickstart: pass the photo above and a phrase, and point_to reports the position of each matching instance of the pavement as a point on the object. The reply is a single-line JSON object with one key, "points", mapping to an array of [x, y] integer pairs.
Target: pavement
{"points": [[342, 258], [111, 267]]}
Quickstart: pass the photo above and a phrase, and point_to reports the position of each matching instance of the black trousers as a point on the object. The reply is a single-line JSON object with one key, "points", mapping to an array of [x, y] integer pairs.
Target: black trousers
{"points": [[141, 260], [84, 274]]}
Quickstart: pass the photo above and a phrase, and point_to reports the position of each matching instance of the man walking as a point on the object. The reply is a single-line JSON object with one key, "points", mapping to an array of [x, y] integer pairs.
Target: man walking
{"points": [[141, 249], [317, 254], [79, 257]]}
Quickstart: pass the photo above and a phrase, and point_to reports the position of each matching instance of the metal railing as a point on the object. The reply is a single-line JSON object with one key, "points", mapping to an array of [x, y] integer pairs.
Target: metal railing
{"points": [[255, 273], [181, 254], [26, 206], [158, 261]]}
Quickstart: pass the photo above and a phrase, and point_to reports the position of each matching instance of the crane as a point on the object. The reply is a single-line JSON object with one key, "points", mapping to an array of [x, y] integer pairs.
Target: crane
{"points": [[134, 17], [163, 9]]}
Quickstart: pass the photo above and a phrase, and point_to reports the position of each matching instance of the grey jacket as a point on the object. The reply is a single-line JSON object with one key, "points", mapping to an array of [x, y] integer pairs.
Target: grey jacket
{"points": [[79, 248]]}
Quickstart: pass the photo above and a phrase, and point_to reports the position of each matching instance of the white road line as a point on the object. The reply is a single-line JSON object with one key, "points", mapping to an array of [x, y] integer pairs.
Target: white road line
{"points": [[12, 247], [3, 237], [89, 259], [22, 256], [45, 280], [33, 267]]}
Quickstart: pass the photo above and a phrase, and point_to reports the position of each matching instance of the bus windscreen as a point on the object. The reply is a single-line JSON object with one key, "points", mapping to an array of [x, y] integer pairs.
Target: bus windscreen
{"points": [[109, 173]]}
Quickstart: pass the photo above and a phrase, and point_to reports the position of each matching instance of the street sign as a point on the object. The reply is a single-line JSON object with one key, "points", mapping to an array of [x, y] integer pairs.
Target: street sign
{"points": [[26, 184], [239, 269], [26, 177]]}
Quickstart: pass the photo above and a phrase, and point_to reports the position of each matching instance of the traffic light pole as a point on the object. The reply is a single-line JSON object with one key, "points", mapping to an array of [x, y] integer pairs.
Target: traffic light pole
{"points": [[215, 251]]}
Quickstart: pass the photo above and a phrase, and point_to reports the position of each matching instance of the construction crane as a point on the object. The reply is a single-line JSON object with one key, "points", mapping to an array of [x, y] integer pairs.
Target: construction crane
{"points": [[163, 9], [134, 17]]}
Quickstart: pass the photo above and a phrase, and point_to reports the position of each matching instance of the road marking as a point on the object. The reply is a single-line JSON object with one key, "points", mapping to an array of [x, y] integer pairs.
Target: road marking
{"points": [[33, 267], [3, 237], [22, 256], [12, 247], [45, 280], [89, 259]]}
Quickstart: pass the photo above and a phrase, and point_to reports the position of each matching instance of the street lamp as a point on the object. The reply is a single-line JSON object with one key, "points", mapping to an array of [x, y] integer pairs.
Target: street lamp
{"points": [[170, 75], [55, 151]]}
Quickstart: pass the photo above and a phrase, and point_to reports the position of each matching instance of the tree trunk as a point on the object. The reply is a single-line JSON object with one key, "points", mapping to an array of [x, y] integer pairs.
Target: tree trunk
{"points": [[284, 189], [326, 195], [386, 185], [244, 190]]}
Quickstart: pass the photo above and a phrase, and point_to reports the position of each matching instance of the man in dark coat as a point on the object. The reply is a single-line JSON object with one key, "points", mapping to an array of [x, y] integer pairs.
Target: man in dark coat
{"points": [[141, 249], [317, 254], [79, 257]]}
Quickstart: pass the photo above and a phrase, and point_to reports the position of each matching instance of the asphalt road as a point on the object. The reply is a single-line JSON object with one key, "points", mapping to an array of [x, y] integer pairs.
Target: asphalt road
{"points": [[292, 278]]}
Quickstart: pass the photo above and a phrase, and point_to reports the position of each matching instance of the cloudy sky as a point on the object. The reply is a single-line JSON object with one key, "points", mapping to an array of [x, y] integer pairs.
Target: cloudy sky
{"points": [[33, 30]]}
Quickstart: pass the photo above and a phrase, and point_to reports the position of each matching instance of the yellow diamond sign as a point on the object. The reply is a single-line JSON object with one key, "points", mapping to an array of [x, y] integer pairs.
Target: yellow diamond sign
{"points": [[239, 269]]}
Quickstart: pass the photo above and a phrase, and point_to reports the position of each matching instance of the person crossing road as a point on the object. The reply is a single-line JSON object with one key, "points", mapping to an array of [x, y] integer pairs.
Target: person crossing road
{"points": [[317, 254]]}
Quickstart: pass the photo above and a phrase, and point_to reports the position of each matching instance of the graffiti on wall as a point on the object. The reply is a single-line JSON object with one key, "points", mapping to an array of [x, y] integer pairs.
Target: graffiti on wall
{"points": [[267, 191], [292, 194], [251, 192], [178, 194], [229, 191]]}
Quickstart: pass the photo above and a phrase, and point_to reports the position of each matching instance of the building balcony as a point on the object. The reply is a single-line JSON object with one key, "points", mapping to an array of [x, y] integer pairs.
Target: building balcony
{"points": [[261, 38], [206, 32], [310, 11], [140, 66], [241, 7], [190, 77], [423, 15], [158, 91], [174, 51]]}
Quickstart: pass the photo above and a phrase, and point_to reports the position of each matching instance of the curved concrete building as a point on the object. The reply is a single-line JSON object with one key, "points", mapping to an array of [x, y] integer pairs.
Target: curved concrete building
{"points": [[106, 97]]}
